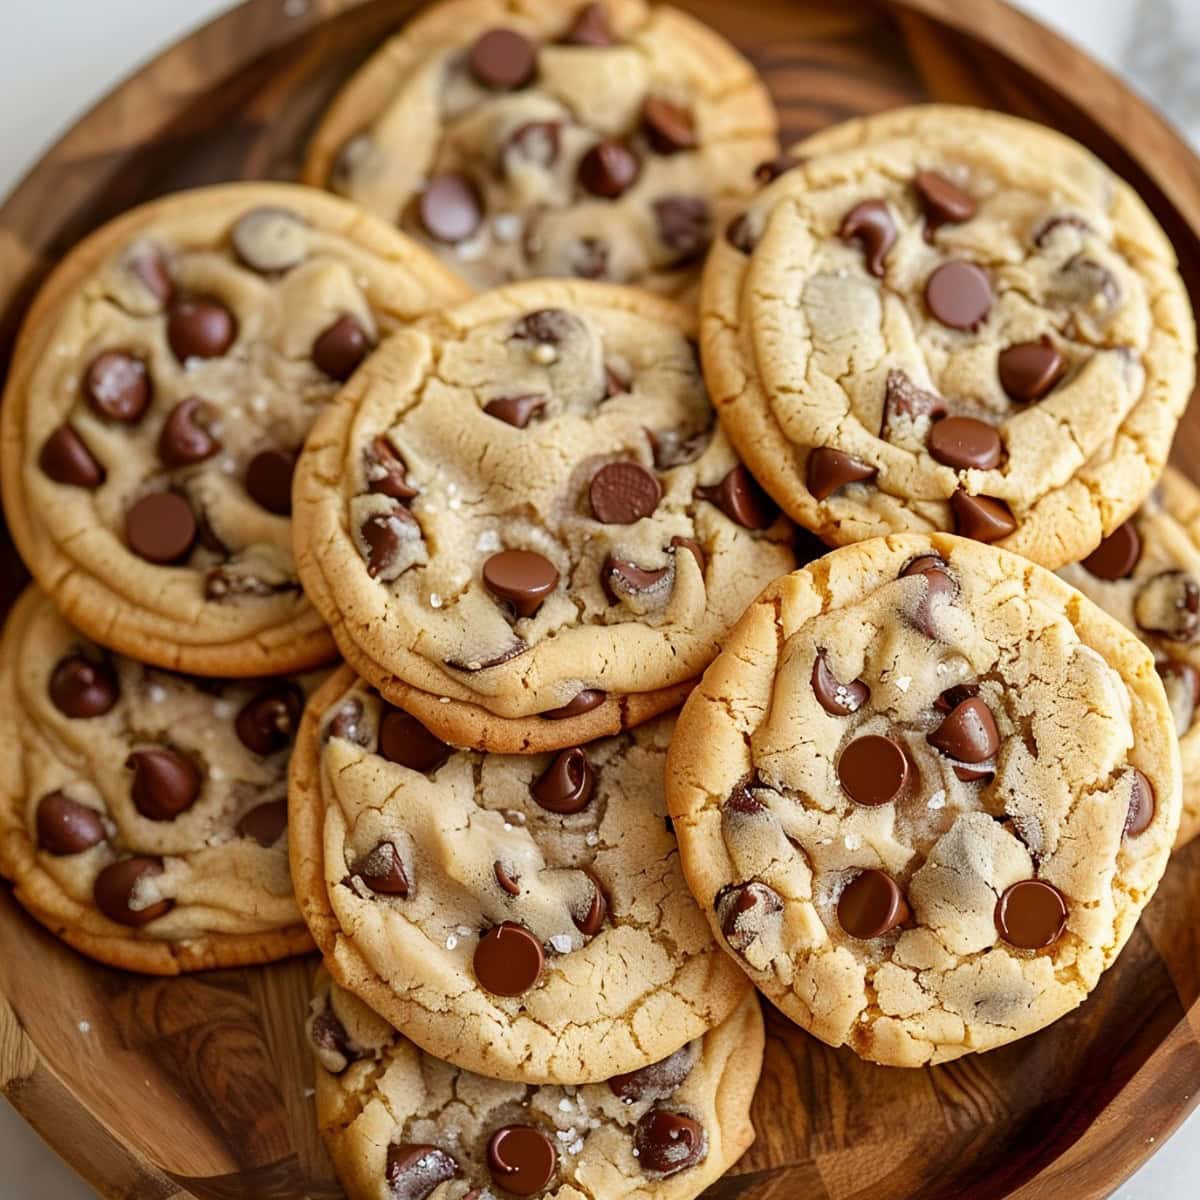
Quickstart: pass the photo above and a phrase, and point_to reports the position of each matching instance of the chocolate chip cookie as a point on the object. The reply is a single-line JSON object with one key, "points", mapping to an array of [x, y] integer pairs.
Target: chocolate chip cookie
{"points": [[401, 1123], [541, 138], [521, 510], [945, 319], [161, 388], [521, 916], [1146, 573], [143, 814], [924, 794]]}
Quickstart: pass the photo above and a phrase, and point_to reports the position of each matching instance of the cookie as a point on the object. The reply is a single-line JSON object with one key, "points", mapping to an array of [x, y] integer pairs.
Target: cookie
{"points": [[400, 1123], [947, 319], [540, 138], [521, 508], [162, 385], [924, 794], [143, 814], [520, 916], [1146, 573]]}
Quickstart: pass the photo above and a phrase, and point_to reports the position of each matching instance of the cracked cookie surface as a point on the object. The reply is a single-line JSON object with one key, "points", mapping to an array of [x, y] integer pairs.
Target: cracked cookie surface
{"points": [[522, 508], [399, 1122], [536, 138], [924, 794], [143, 813], [165, 378], [946, 319], [522, 916], [1146, 573]]}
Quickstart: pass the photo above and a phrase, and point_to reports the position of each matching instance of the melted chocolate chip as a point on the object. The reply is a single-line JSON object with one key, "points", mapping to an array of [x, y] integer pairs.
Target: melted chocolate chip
{"points": [[508, 960], [522, 1159], [1031, 914], [684, 225], [623, 492], [161, 528], [830, 470], [81, 688], [199, 327], [567, 783], [959, 295], [264, 823], [268, 480], [1141, 805], [338, 350], [385, 534], [968, 733], [346, 723], [657, 1081], [503, 60], [965, 443], [668, 1142], [741, 798], [1117, 555], [944, 202], [590, 28], [742, 910], [692, 547], [871, 904], [873, 770], [521, 578], [404, 740], [113, 892], [509, 883], [1029, 370], [983, 518], [589, 921], [117, 386], [740, 498], [66, 459], [382, 870], [902, 398], [938, 584], [669, 127], [609, 169], [871, 225], [165, 783], [839, 699], [583, 702], [414, 1171], [517, 411], [327, 1033], [620, 577], [185, 437], [268, 722], [1168, 604], [64, 826]]}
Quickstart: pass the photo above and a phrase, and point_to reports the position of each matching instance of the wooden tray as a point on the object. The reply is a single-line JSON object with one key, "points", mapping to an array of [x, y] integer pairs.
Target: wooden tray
{"points": [[196, 1087]]}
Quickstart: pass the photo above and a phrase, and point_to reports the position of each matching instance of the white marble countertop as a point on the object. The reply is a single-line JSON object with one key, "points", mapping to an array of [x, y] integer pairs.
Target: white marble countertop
{"points": [[58, 56]]}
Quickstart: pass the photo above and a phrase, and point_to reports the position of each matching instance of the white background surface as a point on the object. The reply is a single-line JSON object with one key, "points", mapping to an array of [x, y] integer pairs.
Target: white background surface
{"points": [[58, 56]]}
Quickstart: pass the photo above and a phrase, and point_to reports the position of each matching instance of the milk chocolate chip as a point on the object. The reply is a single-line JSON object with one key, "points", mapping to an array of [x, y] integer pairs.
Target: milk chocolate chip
{"points": [[1141, 804], [742, 911], [522, 578], [522, 1159], [943, 201], [839, 699], [657, 1081], [965, 443], [590, 28], [871, 225], [199, 327], [684, 225], [517, 411], [385, 534], [161, 528], [1117, 554], [165, 783], [983, 518], [64, 826], [503, 60], [264, 823], [669, 126], [508, 960], [873, 770], [959, 295], [185, 436], [668, 1142], [66, 459], [624, 492], [1029, 370], [81, 688], [871, 905], [268, 722], [117, 386], [382, 870], [609, 169], [829, 470], [404, 740], [740, 498], [269, 480], [567, 784], [1031, 914], [589, 920], [902, 398], [114, 891], [339, 349], [1168, 605], [968, 733], [414, 1171], [583, 702]]}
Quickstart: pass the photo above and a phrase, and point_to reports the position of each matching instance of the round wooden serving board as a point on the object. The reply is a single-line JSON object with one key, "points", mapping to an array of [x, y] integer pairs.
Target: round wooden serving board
{"points": [[198, 1087]]}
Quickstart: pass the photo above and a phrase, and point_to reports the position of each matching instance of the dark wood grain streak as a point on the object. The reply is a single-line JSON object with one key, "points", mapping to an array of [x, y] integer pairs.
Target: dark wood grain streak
{"points": [[197, 1087]]}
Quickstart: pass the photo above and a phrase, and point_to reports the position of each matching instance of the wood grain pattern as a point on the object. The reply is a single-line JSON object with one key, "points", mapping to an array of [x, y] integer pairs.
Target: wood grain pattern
{"points": [[196, 1087]]}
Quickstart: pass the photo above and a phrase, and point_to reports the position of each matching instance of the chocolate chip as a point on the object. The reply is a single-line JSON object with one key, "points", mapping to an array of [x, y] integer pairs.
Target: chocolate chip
{"points": [[386, 472], [517, 648], [548, 326], [938, 585], [65, 458], [657, 1081], [509, 883], [589, 921], [675, 448], [414, 1171], [1117, 555], [161, 528], [1182, 684], [959, 294], [346, 723], [165, 783], [669, 126], [81, 688], [150, 268], [1031, 914], [741, 798], [1084, 283], [692, 547], [117, 386], [589, 258], [1168, 605], [199, 327], [742, 910], [952, 697], [339, 349], [517, 411], [840, 699], [983, 518], [270, 239], [1141, 804], [508, 960], [624, 492], [522, 1159], [609, 169], [740, 233], [770, 170], [684, 225], [583, 702], [668, 1142], [902, 398], [590, 28], [385, 534], [973, 774], [521, 578], [450, 208], [536, 143], [871, 225], [327, 1033], [830, 470], [268, 480], [1029, 370], [264, 823], [968, 733], [966, 443], [64, 826], [944, 202], [503, 60], [619, 577], [185, 437], [268, 722], [567, 784], [740, 498], [871, 905], [873, 770], [382, 870], [114, 890], [404, 740], [1059, 221]]}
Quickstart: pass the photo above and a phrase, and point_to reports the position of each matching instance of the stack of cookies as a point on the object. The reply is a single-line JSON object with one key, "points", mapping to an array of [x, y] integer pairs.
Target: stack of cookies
{"points": [[547, 422]]}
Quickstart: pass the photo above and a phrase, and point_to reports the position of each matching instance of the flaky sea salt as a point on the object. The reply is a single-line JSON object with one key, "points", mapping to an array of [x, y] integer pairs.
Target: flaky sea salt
{"points": [[904, 682], [560, 943], [937, 800], [85, 1027], [852, 841], [435, 601], [591, 837], [451, 942]]}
